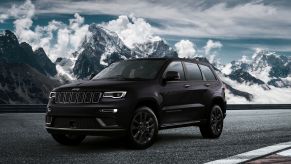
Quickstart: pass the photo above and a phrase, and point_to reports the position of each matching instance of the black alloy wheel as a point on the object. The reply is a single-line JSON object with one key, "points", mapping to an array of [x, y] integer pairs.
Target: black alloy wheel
{"points": [[214, 126], [143, 128]]}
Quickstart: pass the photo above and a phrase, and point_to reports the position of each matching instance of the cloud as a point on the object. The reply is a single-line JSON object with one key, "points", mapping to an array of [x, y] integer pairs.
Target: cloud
{"points": [[210, 45], [26, 10], [261, 96], [210, 50], [57, 38], [132, 30], [185, 49], [3, 17], [190, 18]]}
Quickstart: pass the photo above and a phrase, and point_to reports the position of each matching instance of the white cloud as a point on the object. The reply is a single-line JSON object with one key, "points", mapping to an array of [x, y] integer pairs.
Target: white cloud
{"points": [[132, 30], [185, 49], [57, 38], [226, 69], [210, 45], [26, 10], [210, 50], [190, 18], [3, 17], [261, 96]]}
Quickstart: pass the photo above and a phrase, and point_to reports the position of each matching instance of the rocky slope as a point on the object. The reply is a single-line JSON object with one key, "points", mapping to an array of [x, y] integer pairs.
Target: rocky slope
{"points": [[25, 76]]}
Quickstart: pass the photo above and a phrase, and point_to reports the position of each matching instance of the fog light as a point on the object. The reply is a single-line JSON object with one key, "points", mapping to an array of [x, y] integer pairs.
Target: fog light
{"points": [[108, 110], [48, 120]]}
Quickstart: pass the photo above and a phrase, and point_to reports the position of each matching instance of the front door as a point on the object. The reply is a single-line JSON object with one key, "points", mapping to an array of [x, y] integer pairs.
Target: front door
{"points": [[174, 98]]}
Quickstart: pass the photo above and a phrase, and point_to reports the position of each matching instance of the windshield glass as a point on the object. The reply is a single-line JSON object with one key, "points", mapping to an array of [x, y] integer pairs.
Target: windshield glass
{"points": [[131, 70]]}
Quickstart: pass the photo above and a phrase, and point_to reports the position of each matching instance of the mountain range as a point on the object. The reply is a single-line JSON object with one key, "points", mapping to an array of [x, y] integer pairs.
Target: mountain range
{"points": [[27, 76]]}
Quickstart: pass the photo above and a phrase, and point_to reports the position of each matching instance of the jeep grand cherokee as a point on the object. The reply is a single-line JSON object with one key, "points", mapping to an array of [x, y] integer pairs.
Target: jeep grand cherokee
{"points": [[137, 98]]}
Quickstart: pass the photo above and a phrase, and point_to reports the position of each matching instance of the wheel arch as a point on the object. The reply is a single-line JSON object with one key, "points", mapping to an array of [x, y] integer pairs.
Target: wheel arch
{"points": [[151, 103], [220, 102]]}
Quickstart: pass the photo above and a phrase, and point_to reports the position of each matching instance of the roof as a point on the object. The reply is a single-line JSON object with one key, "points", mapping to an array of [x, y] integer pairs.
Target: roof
{"points": [[172, 59]]}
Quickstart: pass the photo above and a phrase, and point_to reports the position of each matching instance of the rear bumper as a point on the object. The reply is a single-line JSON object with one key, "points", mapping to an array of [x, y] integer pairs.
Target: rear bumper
{"points": [[93, 132]]}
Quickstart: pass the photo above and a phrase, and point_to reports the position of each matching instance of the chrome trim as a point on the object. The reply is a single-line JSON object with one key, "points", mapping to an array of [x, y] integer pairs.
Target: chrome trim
{"points": [[77, 97], [101, 122], [50, 96], [75, 89], [108, 110], [123, 93]]}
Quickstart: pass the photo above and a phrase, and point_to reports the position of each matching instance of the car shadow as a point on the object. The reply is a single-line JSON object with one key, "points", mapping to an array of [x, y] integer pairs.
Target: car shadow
{"points": [[110, 144]]}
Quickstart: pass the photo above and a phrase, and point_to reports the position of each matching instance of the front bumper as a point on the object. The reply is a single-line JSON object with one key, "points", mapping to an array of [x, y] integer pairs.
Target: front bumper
{"points": [[88, 119], [93, 132]]}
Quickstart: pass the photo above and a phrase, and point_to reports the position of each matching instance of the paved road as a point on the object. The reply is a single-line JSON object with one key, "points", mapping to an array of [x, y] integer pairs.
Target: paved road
{"points": [[24, 139]]}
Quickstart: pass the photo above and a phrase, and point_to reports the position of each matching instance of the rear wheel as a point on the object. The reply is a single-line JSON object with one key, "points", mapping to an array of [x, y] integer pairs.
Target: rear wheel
{"points": [[143, 128], [67, 139], [214, 125]]}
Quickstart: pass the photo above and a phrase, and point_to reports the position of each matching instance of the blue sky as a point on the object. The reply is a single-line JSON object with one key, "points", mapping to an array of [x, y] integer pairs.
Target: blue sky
{"points": [[240, 26]]}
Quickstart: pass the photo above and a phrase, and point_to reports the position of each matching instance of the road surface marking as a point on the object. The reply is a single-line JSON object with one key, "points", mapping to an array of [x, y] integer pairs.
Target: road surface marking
{"points": [[252, 154]]}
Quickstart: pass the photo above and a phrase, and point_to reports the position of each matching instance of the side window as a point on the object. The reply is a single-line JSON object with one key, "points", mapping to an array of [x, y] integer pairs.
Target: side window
{"points": [[178, 67], [193, 71], [208, 74]]}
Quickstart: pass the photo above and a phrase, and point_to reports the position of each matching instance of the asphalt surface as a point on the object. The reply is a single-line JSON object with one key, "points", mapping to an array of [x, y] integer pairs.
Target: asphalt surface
{"points": [[23, 139]]}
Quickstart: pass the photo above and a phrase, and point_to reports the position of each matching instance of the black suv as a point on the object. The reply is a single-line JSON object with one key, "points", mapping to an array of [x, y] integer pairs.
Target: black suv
{"points": [[137, 98]]}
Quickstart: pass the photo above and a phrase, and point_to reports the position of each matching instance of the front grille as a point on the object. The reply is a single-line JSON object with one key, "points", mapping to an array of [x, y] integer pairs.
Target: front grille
{"points": [[77, 97]]}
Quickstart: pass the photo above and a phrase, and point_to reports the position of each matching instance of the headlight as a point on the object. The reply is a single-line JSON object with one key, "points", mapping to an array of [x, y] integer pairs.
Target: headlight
{"points": [[114, 94], [52, 95]]}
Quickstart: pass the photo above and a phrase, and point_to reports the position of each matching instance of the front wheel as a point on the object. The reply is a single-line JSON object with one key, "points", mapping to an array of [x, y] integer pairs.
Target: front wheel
{"points": [[143, 128], [67, 139], [214, 125]]}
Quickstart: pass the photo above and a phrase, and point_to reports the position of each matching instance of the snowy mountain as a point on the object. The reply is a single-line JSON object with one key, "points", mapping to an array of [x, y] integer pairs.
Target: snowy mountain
{"points": [[102, 47], [266, 76], [265, 68], [154, 49], [25, 76], [13, 52]]}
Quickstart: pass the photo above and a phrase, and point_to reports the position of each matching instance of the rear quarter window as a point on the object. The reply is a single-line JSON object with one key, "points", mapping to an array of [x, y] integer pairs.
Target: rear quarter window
{"points": [[207, 72]]}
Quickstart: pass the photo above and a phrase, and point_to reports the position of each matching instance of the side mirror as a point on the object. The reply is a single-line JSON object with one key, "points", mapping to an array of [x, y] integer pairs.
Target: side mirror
{"points": [[172, 75], [92, 76]]}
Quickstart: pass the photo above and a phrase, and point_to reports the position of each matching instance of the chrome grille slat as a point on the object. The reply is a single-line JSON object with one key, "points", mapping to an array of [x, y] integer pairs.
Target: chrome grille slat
{"points": [[77, 97]]}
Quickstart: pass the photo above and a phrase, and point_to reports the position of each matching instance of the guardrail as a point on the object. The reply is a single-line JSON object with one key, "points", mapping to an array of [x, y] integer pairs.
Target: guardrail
{"points": [[33, 108], [41, 108], [257, 106]]}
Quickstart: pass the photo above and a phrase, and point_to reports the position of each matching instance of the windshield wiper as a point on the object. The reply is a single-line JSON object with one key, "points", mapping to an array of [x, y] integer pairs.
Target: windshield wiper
{"points": [[114, 77], [135, 78]]}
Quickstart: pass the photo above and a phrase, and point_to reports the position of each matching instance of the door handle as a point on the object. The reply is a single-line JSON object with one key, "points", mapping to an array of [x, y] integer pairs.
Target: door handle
{"points": [[186, 85], [207, 84]]}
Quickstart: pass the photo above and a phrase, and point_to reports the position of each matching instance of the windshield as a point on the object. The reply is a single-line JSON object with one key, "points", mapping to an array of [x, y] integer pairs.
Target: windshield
{"points": [[131, 70]]}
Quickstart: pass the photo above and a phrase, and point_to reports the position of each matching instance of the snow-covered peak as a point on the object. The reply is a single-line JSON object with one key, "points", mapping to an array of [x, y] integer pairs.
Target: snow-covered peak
{"points": [[99, 37], [157, 48]]}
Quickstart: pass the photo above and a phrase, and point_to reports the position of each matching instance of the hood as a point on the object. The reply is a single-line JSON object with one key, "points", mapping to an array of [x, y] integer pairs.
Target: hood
{"points": [[99, 85]]}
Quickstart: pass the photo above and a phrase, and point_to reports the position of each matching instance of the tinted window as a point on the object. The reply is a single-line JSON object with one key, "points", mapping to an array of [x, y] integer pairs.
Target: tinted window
{"points": [[176, 66], [208, 74], [131, 69], [193, 71]]}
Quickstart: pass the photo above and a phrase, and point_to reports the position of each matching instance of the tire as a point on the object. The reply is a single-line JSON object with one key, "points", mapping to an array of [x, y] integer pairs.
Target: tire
{"points": [[214, 125], [66, 139], [143, 128]]}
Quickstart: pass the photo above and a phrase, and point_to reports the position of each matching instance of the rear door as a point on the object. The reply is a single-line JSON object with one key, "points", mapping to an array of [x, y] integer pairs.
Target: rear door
{"points": [[210, 84], [195, 92]]}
